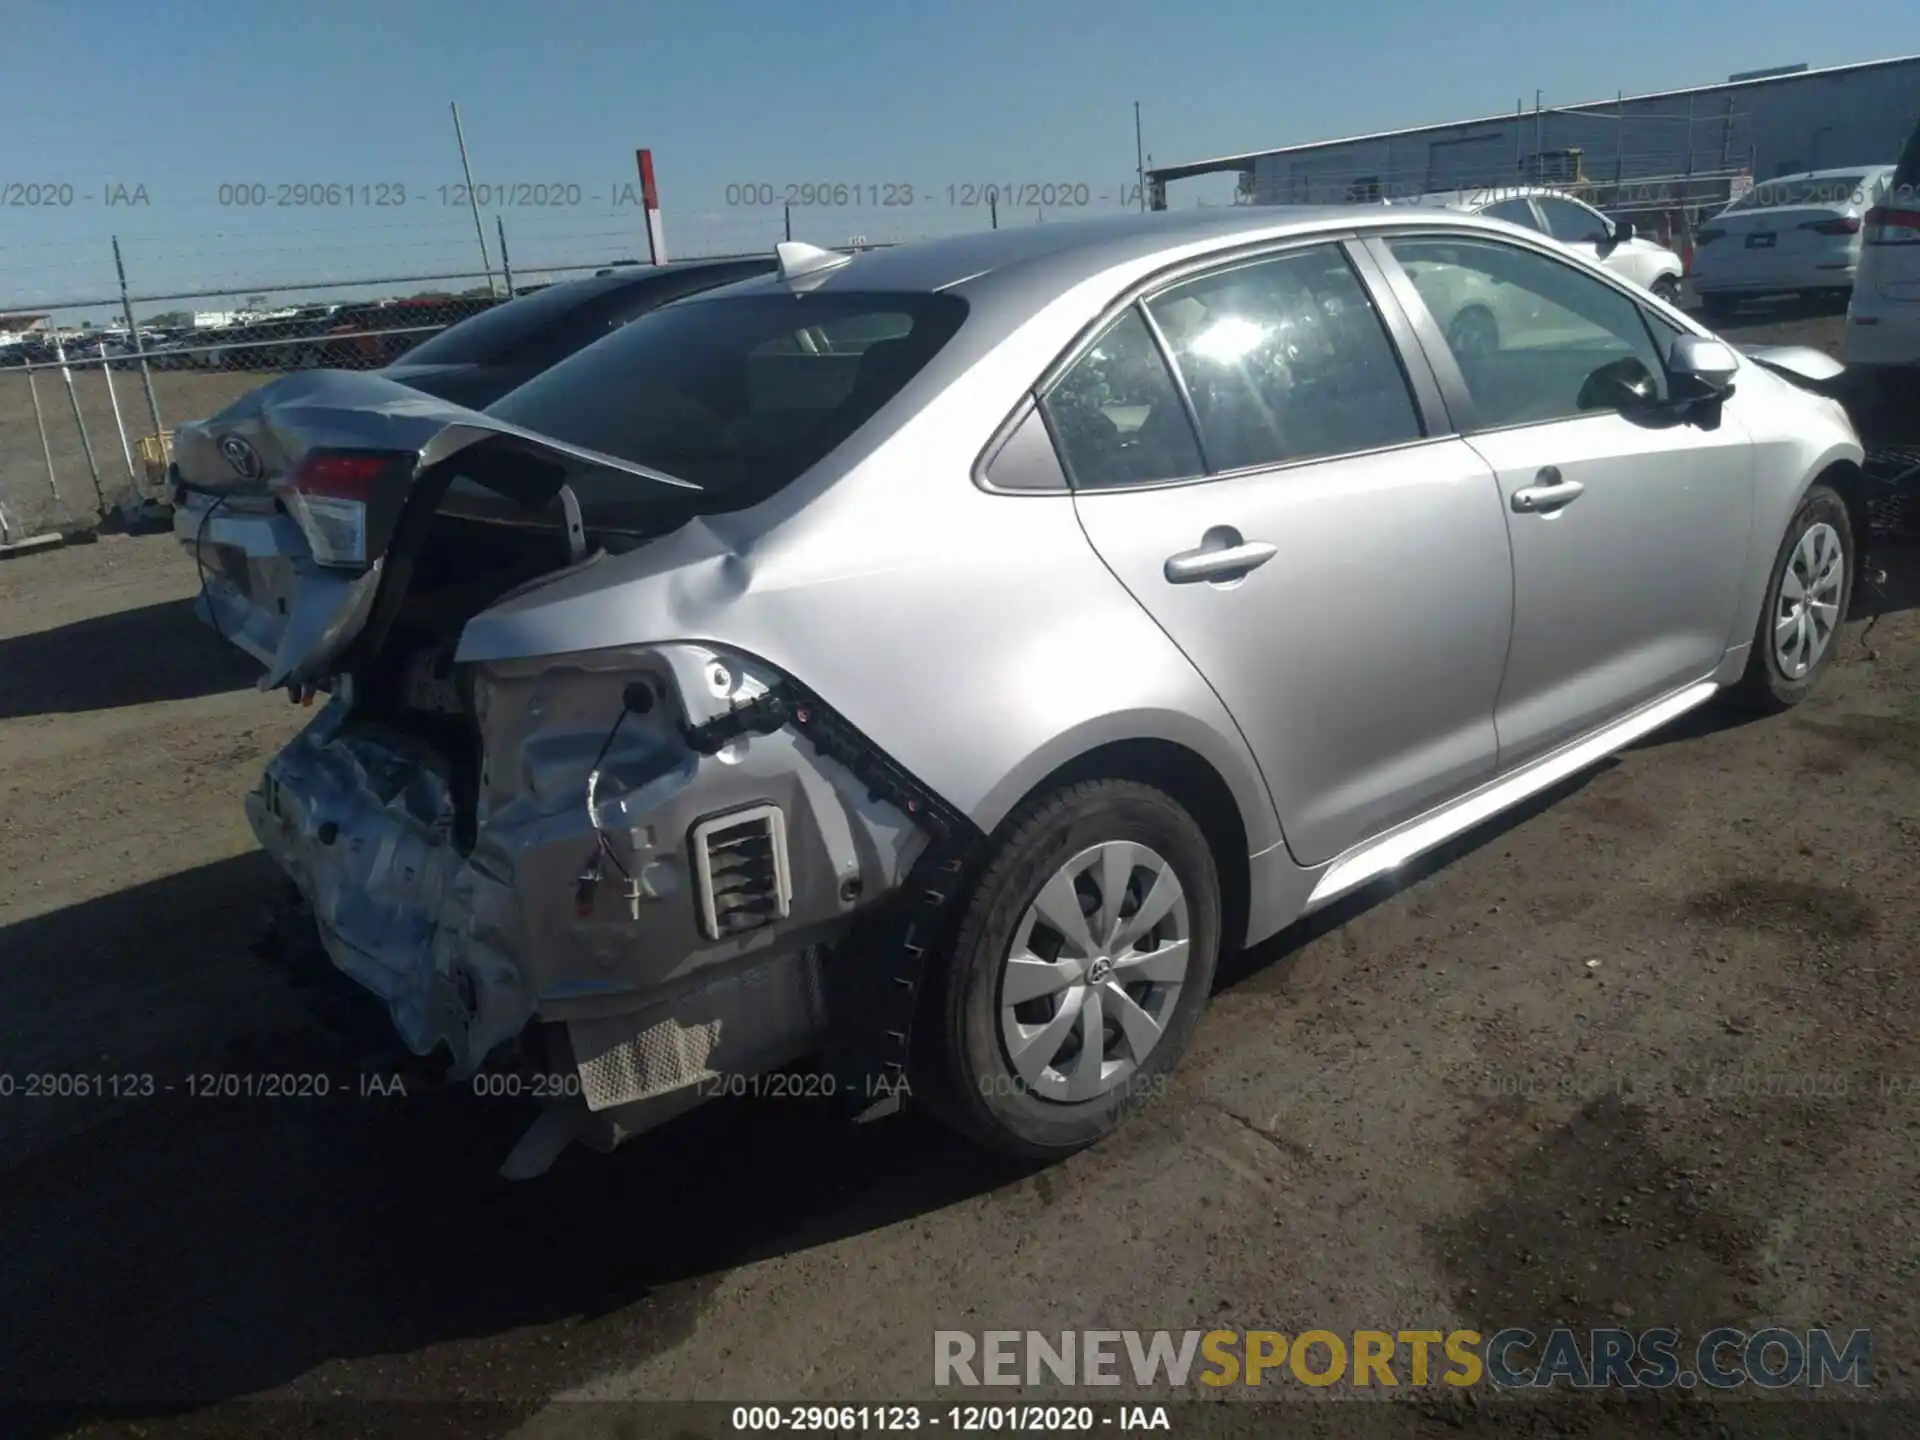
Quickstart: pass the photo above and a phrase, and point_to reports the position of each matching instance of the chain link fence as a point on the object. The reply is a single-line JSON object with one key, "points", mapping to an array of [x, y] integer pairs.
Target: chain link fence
{"points": [[91, 386]]}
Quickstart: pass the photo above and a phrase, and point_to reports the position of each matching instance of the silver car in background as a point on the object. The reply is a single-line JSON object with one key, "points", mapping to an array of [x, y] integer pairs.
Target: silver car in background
{"points": [[1799, 234], [935, 658]]}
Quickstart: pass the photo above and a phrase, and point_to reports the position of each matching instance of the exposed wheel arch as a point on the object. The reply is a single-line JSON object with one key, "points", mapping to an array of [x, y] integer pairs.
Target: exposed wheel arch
{"points": [[1198, 788], [1849, 481]]}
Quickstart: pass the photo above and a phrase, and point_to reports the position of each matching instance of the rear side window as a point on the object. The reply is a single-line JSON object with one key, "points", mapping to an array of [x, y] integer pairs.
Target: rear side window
{"points": [[733, 392], [1572, 224], [1514, 212], [1286, 359], [1118, 417]]}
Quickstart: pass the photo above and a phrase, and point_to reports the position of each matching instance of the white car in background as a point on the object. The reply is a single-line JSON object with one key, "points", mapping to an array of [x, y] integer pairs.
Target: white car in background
{"points": [[1798, 234], [1574, 224], [1883, 317]]}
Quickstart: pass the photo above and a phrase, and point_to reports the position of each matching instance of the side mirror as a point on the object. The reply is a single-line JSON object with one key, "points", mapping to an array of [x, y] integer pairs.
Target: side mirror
{"points": [[1624, 384], [1620, 231], [1702, 369]]}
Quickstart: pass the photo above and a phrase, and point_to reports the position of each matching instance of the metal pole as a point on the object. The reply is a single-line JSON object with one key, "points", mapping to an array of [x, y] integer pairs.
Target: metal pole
{"points": [[1538, 122], [80, 423], [40, 424], [789, 220], [479, 231], [1140, 157], [506, 264], [139, 345], [993, 209], [1619, 137], [113, 400]]}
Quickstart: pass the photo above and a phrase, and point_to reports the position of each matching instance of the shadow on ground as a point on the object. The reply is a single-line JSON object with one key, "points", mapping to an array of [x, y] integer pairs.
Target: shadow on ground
{"points": [[131, 657], [170, 1252]]}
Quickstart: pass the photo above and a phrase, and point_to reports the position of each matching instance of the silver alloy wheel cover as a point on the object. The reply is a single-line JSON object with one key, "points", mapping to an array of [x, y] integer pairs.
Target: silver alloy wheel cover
{"points": [[1808, 609], [1099, 955]]}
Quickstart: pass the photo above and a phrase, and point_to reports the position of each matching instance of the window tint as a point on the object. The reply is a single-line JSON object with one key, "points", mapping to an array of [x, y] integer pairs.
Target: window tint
{"points": [[1515, 212], [1117, 416], [1570, 223], [1529, 332], [1285, 359], [707, 390]]}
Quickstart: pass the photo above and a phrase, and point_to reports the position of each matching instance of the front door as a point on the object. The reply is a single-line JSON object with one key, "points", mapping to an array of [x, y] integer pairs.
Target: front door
{"points": [[1629, 526], [1340, 577]]}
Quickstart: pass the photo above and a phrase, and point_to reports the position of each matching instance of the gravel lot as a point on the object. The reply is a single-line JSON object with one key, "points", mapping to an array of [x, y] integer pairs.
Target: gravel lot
{"points": [[1645, 1053]]}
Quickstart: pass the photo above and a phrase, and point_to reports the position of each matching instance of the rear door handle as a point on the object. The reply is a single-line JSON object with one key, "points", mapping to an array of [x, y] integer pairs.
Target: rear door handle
{"points": [[1550, 493], [1220, 563]]}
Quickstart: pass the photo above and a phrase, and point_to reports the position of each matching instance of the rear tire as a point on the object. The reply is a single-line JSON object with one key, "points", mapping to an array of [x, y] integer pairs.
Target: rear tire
{"points": [[1667, 290], [1013, 1073], [1800, 621]]}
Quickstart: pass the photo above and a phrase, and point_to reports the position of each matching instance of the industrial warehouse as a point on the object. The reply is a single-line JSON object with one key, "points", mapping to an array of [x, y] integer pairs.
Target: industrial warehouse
{"points": [[1662, 158]]}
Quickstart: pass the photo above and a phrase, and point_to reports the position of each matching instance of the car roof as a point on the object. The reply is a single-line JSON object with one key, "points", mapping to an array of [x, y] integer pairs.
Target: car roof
{"points": [[1083, 249], [1007, 276]]}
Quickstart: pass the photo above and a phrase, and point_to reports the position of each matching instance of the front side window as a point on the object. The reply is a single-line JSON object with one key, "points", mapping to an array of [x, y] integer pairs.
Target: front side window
{"points": [[1117, 416], [1535, 339], [1572, 224], [1286, 359]]}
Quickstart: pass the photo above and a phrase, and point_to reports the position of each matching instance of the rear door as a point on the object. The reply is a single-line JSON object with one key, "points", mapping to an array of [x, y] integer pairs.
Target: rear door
{"points": [[1629, 532], [1255, 462]]}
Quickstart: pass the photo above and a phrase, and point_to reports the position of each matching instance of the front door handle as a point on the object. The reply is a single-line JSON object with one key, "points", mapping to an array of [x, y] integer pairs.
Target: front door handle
{"points": [[1218, 562], [1548, 494]]}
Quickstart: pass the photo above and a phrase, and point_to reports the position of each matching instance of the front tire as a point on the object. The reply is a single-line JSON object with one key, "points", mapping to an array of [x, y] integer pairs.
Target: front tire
{"points": [[1080, 966], [1805, 607]]}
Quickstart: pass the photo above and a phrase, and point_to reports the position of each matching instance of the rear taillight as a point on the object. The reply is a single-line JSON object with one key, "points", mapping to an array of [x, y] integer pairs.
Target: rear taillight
{"points": [[330, 496], [1886, 225], [1844, 225], [1707, 237]]}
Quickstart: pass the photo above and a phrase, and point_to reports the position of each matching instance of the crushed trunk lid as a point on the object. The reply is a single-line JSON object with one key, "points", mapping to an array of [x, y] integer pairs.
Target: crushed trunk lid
{"points": [[297, 501]]}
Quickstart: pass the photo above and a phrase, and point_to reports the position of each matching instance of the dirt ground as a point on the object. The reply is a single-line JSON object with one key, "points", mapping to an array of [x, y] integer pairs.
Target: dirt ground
{"points": [[1645, 1053]]}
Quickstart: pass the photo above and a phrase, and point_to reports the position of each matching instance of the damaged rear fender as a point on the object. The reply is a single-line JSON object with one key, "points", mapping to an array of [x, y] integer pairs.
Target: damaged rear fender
{"points": [[689, 869]]}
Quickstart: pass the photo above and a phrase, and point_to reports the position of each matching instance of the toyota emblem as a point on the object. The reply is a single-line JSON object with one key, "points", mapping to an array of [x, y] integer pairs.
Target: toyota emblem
{"points": [[242, 456]]}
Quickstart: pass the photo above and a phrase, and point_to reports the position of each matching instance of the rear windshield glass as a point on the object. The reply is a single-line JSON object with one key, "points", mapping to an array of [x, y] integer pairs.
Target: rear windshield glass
{"points": [[738, 394], [1839, 190], [484, 338]]}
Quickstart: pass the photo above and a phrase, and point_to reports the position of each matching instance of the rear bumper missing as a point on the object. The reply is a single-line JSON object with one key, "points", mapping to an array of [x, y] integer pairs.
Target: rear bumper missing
{"points": [[469, 948]]}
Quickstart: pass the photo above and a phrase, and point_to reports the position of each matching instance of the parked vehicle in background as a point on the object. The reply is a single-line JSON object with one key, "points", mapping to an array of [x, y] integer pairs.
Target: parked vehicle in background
{"points": [[480, 359], [935, 657], [1883, 317], [1799, 234], [1574, 224]]}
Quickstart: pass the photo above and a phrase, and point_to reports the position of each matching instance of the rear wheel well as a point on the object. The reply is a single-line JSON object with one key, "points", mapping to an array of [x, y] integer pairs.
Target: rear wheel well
{"points": [[1197, 787]]}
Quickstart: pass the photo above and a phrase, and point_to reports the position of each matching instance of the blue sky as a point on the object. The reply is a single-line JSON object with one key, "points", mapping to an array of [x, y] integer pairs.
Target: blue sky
{"points": [[184, 97]]}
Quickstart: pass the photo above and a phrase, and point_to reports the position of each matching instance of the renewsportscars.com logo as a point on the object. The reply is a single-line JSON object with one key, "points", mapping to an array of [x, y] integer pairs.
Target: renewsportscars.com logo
{"points": [[1508, 1359]]}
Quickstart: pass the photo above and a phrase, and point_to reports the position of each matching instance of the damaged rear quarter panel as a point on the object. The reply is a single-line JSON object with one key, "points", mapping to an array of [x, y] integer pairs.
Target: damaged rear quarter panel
{"points": [[468, 949]]}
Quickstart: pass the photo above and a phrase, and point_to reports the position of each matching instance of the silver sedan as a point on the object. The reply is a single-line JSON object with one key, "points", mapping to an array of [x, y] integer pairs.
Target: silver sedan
{"points": [[933, 659]]}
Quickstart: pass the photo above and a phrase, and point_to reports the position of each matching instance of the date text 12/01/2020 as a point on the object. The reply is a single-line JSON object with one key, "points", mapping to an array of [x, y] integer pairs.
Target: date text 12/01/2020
{"points": [[889, 195]]}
